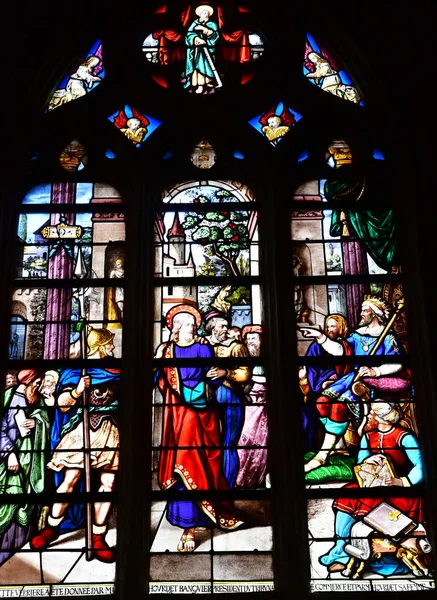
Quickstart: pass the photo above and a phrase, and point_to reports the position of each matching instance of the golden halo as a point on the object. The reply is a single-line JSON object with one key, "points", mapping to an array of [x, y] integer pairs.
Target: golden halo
{"points": [[182, 308], [204, 7]]}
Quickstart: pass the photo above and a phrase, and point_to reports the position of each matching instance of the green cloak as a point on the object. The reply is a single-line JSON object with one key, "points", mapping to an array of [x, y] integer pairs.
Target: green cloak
{"points": [[31, 475], [374, 226], [196, 55]]}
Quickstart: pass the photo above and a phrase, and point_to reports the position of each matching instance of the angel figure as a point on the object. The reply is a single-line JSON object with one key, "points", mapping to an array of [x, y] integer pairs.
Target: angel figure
{"points": [[276, 126], [79, 83], [134, 128], [325, 73]]}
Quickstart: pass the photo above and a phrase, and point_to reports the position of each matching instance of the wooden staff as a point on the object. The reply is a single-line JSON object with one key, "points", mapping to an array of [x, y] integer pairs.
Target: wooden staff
{"points": [[80, 272], [87, 456], [399, 306]]}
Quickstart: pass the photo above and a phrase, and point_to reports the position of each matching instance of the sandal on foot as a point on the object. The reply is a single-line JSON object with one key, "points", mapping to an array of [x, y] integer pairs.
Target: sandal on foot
{"points": [[187, 538]]}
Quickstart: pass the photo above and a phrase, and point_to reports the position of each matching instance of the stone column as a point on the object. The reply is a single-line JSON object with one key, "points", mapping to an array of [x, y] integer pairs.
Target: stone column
{"points": [[60, 267]]}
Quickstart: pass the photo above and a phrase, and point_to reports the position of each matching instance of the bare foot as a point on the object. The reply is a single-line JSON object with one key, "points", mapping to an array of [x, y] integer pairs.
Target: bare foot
{"points": [[199, 89], [187, 543]]}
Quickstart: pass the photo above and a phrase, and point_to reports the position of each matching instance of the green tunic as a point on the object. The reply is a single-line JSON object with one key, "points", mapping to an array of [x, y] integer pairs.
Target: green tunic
{"points": [[30, 478]]}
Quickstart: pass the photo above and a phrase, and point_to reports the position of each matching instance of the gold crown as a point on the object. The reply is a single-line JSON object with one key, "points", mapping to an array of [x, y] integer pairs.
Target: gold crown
{"points": [[378, 302]]}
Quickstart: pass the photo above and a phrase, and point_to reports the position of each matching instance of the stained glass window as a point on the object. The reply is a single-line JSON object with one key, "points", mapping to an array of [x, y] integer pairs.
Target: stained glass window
{"points": [[209, 404], [79, 82], [358, 402], [203, 155], [255, 324], [73, 157], [202, 44], [327, 73], [276, 122], [59, 427], [136, 126]]}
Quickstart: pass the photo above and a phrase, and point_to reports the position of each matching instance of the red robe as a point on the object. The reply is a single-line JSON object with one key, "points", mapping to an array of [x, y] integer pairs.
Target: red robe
{"points": [[191, 447], [388, 444]]}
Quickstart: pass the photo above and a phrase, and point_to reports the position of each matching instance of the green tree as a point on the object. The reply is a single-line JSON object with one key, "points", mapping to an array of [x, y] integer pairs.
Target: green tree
{"points": [[223, 232], [240, 295], [35, 263]]}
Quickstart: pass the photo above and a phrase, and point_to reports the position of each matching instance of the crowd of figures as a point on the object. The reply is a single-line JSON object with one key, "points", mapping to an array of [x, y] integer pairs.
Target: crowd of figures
{"points": [[214, 433], [43, 448], [360, 421]]}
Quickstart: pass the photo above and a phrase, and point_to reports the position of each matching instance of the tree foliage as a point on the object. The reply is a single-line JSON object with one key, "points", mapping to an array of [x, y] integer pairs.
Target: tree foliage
{"points": [[223, 232]]}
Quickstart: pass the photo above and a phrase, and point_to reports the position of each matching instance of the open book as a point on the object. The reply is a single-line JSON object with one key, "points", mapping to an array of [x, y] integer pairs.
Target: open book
{"points": [[374, 475]]}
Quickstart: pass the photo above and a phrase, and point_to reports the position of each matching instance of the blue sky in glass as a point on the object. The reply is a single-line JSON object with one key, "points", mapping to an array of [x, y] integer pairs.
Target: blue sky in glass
{"points": [[41, 194], [37, 220], [303, 155], [207, 192], [84, 193], [151, 126], [167, 155], [238, 154], [378, 154], [109, 153], [277, 112], [345, 79]]}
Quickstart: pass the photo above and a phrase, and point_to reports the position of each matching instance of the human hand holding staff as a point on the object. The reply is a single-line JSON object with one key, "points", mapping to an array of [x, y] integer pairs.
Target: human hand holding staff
{"points": [[366, 371]]}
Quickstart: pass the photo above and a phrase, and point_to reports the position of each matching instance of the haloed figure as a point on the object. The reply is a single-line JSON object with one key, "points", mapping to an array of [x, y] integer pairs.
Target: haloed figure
{"points": [[191, 457], [201, 38]]}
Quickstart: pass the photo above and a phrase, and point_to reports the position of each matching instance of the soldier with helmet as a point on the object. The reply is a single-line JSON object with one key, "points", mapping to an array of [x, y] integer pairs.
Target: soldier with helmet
{"points": [[68, 456]]}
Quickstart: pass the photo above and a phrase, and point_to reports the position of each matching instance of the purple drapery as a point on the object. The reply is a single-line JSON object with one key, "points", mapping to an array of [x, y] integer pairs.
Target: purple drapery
{"points": [[57, 335], [354, 263]]}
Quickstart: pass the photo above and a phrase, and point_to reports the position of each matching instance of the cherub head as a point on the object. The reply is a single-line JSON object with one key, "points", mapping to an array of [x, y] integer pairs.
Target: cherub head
{"points": [[274, 121], [133, 123]]}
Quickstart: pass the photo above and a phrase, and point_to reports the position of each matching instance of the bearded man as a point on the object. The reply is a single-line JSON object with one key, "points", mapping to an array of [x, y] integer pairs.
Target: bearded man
{"points": [[191, 456], [230, 393], [384, 439], [253, 462], [334, 401], [201, 39], [24, 442]]}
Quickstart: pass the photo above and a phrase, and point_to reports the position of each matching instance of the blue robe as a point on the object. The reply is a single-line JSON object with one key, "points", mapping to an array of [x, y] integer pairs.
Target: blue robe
{"points": [[361, 345], [316, 376]]}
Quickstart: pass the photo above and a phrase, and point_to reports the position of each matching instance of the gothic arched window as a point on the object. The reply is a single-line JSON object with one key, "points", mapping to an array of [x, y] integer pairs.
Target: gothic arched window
{"points": [[207, 422]]}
